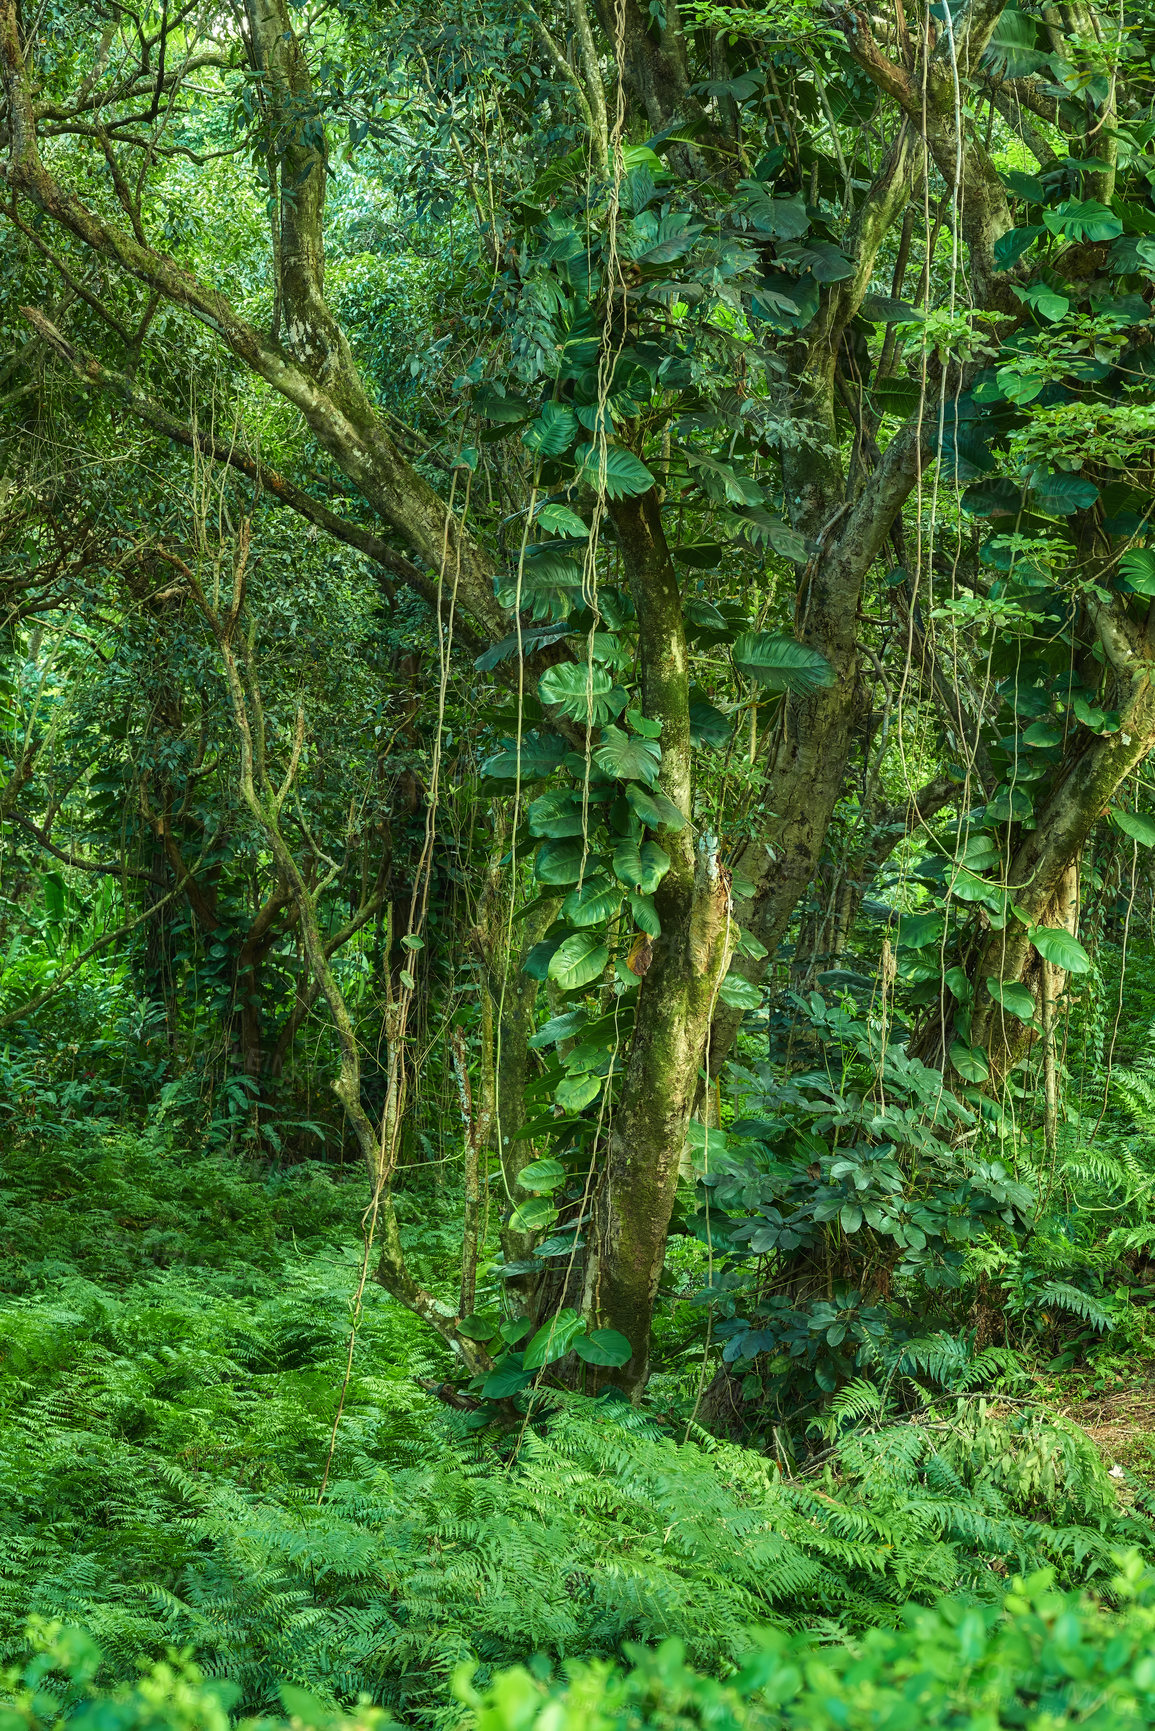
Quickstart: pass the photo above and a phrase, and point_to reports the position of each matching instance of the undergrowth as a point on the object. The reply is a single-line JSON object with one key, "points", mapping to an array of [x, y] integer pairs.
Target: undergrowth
{"points": [[175, 1333]]}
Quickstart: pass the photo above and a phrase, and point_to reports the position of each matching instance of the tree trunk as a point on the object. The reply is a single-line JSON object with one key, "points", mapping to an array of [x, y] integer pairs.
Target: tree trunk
{"points": [[676, 997]]}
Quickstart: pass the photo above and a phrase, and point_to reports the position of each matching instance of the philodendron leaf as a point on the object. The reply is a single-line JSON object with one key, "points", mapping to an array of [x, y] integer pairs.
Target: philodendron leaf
{"points": [[642, 868], [507, 1378], [1138, 567], [1043, 732], [627, 756], [1134, 824], [580, 959], [1012, 997], [553, 1339], [582, 691], [780, 663], [654, 808], [1058, 947], [604, 1346], [575, 1093], [542, 1175], [553, 432], [594, 902], [613, 470], [478, 1327], [970, 1061], [739, 994], [533, 1215], [562, 861], [560, 520]]}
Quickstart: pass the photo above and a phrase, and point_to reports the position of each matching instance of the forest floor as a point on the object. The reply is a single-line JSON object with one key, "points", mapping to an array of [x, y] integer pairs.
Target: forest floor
{"points": [[174, 1333]]}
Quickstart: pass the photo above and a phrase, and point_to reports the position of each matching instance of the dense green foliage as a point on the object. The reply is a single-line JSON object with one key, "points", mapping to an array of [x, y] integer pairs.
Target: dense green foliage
{"points": [[577, 1015]]}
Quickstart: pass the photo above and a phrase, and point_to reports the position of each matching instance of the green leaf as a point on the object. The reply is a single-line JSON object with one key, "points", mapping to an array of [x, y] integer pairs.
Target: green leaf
{"points": [[508, 1377], [739, 994], [560, 862], [654, 808], [642, 868], [538, 758], [916, 931], [558, 1028], [533, 1215], [553, 1339], [515, 1328], [299, 1704], [627, 757], [1015, 999], [580, 959], [614, 471], [553, 432], [850, 1216], [556, 815], [582, 691], [644, 724], [781, 664], [500, 409], [603, 1346], [1060, 949], [645, 914], [708, 726], [1043, 299], [593, 902], [477, 1327], [1138, 567], [970, 1061], [560, 520], [1044, 733], [1010, 247], [1062, 494], [1134, 824], [575, 1093], [1084, 219], [542, 1175]]}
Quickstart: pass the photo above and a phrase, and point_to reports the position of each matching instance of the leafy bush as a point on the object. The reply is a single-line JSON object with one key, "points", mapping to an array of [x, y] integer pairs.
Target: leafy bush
{"points": [[1042, 1658]]}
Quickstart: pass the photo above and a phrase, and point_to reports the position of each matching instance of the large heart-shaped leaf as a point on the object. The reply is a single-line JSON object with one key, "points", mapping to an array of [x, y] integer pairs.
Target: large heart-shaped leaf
{"points": [[556, 815], [642, 867], [560, 520], [780, 663], [561, 862], [655, 809], [628, 757], [1084, 219], [1058, 947], [1134, 824], [739, 993], [604, 1346], [582, 691], [614, 471], [553, 432], [533, 1215], [536, 757], [542, 1175], [970, 1061], [575, 1093], [580, 959], [592, 902], [553, 1339], [1013, 998], [507, 1378]]}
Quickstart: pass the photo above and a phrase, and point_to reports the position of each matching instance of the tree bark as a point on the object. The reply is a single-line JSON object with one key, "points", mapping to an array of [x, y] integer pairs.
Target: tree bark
{"points": [[676, 997]]}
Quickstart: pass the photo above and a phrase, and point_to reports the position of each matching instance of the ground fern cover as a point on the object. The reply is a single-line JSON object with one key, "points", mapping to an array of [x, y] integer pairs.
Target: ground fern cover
{"points": [[175, 1335]]}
